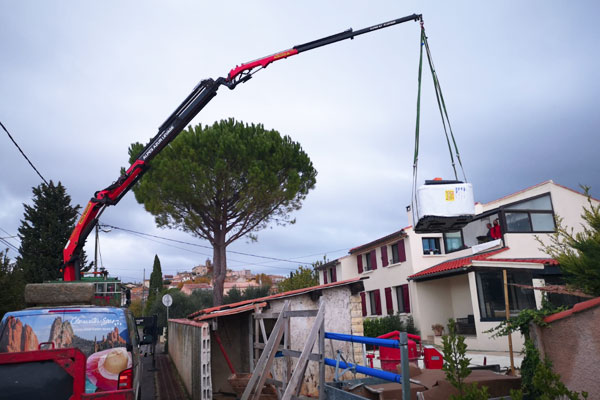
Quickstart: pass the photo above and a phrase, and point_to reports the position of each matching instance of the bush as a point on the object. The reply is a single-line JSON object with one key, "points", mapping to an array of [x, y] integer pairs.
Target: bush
{"points": [[253, 292], [373, 327]]}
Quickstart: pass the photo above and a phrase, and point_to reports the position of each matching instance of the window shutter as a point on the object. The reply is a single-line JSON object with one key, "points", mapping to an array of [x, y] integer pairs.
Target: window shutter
{"points": [[373, 259], [359, 262], [384, 257], [401, 251], [364, 304], [406, 298], [333, 275], [324, 276], [377, 302], [388, 301]]}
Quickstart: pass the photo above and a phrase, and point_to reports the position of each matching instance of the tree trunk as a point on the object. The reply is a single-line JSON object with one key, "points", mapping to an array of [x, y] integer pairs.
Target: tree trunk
{"points": [[219, 268]]}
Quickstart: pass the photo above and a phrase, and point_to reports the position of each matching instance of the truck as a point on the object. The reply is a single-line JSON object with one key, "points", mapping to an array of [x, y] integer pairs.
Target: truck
{"points": [[62, 347]]}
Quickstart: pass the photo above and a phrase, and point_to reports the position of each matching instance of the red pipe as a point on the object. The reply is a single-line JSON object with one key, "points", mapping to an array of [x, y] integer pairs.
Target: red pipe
{"points": [[224, 352]]}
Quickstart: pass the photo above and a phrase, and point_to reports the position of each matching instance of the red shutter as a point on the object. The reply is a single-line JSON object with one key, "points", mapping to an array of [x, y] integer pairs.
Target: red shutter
{"points": [[406, 298], [324, 276], [333, 275], [377, 302], [401, 251], [359, 262], [384, 257], [388, 301], [373, 259], [364, 304]]}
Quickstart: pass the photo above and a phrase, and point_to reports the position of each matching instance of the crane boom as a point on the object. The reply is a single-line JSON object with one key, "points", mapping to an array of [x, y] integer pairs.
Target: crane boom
{"points": [[177, 121]]}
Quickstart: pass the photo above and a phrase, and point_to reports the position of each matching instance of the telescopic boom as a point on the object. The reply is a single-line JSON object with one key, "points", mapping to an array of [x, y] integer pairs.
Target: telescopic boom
{"points": [[181, 117]]}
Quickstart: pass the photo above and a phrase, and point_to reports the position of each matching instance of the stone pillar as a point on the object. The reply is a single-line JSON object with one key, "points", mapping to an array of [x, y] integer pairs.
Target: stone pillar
{"points": [[357, 326]]}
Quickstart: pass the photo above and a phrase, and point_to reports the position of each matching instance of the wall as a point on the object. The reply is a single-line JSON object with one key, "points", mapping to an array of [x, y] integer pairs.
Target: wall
{"points": [[189, 349], [235, 336], [339, 306], [573, 345]]}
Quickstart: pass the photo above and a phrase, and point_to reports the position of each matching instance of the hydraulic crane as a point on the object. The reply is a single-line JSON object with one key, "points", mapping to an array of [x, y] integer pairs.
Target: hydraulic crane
{"points": [[177, 121]]}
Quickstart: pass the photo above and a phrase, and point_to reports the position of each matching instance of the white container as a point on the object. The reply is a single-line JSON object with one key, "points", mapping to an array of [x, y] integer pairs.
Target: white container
{"points": [[445, 200]]}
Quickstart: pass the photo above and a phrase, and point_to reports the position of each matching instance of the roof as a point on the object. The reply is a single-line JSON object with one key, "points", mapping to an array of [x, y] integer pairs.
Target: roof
{"points": [[242, 306], [396, 235], [458, 264], [579, 307], [536, 186]]}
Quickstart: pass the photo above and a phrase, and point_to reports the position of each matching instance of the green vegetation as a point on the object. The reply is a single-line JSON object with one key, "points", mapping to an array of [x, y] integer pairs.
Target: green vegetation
{"points": [[538, 381], [456, 366], [183, 305], [44, 231], [579, 253], [373, 327], [12, 285], [156, 284], [253, 292], [224, 182], [301, 278]]}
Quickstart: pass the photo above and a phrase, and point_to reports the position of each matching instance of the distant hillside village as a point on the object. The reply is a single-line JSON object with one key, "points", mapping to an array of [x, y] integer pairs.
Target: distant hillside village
{"points": [[200, 278]]}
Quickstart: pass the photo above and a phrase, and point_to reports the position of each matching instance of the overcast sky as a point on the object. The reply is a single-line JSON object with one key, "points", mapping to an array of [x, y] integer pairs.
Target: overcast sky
{"points": [[80, 81]]}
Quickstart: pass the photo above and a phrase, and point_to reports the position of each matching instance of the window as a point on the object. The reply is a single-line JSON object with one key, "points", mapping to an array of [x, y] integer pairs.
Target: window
{"points": [[533, 215], [453, 241], [431, 246], [490, 292], [375, 302], [332, 275], [370, 261], [395, 258], [398, 252], [403, 299]]}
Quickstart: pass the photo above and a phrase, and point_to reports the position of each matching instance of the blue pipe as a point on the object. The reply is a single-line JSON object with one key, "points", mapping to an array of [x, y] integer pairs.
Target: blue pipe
{"points": [[363, 339], [388, 376]]}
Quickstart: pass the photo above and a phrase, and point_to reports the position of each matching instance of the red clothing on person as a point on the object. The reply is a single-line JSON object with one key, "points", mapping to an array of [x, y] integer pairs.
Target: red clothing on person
{"points": [[495, 232]]}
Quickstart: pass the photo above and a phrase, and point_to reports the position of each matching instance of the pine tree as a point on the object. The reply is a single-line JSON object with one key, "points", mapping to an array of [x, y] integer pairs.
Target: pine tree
{"points": [[156, 282], [44, 231]]}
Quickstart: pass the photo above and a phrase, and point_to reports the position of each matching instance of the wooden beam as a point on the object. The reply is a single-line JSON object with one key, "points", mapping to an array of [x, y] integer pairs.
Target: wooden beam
{"points": [[257, 380], [299, 369]]}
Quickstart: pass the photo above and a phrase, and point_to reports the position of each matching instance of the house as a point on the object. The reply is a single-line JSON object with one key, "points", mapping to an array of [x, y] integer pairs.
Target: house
{"points": [[188, 288], [434, 277]]}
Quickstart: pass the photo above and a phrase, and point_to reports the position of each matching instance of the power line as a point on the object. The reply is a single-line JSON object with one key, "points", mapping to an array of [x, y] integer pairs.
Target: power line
{"points": [[30, 163], [206, 247]]}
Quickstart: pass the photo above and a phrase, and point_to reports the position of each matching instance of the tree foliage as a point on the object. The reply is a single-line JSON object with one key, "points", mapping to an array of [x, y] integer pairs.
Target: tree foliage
{"points": [[156, 282], [303, 277], [223, 182], [253, 292], [44, 231], [579, 253], [183, 305], [456, 366], [12, 285]]}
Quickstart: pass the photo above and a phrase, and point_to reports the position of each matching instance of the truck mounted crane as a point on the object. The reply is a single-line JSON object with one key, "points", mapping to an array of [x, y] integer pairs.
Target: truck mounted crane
{"points": [[174, 124]]}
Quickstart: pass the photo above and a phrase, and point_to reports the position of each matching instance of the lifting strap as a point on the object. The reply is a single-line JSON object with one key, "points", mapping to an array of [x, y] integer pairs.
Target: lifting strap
{"points": [[443, 114]]}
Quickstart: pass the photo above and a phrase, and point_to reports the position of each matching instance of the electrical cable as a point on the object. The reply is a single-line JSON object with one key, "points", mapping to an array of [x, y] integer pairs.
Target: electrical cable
{"points": [[29, 161], [206, 247]]}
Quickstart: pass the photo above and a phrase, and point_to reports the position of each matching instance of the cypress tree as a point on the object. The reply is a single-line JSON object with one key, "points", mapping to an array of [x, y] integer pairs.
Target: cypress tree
{"points": [[44, 231], [156, 282]]}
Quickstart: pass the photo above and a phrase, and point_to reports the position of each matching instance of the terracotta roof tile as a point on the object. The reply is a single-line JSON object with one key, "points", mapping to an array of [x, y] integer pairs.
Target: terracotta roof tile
{"points": [[273, 297], [457, 263], [584, 305]]}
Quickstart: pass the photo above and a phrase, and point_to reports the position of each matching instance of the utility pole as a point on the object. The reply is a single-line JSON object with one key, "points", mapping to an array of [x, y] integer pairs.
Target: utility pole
{"points": [[143, 289]]}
